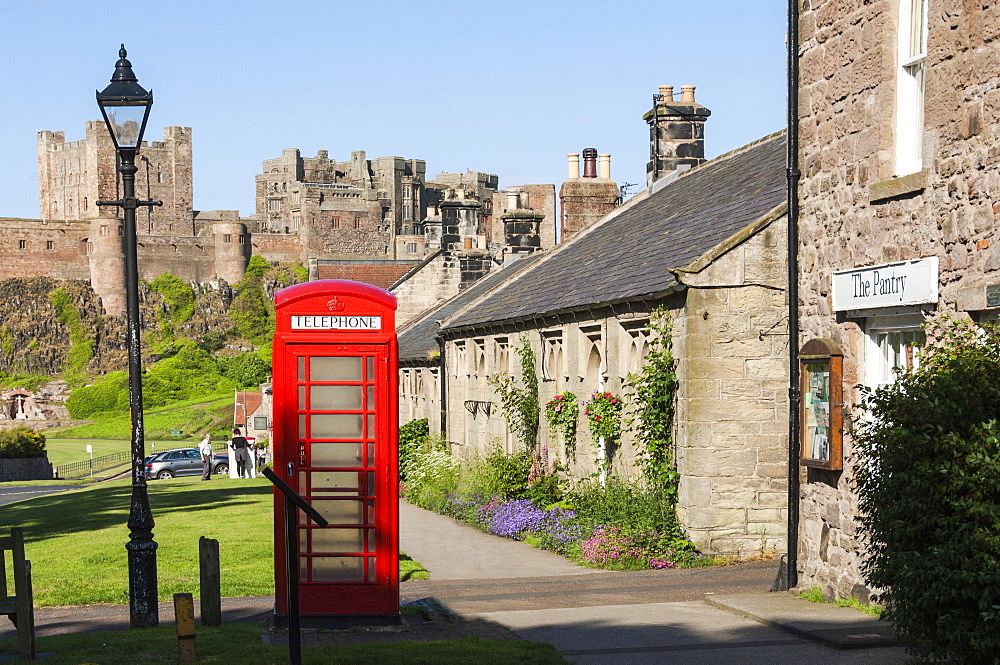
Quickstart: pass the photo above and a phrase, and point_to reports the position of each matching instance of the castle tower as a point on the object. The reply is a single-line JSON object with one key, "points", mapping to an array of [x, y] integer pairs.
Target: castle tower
{"points": [[232, 250], [676, 133], [73, 176], [585, 200], [106, 255]]}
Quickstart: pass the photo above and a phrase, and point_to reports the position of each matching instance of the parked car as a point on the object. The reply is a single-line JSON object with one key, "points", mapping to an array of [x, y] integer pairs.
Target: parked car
{"points": [[182, 462]]}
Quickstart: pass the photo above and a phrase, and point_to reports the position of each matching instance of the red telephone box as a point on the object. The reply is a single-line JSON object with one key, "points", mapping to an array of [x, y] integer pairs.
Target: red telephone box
{"points": [[335, 444]]}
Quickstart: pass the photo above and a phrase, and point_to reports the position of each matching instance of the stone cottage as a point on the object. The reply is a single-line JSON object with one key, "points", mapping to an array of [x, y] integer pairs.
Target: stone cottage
{"points": [[707, 245], [898, 117]]}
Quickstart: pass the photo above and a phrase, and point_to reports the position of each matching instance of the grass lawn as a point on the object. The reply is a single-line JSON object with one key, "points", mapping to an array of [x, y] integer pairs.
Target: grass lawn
{"points": [[67, 451], [191, 417], [76, 540], [241, 644]]}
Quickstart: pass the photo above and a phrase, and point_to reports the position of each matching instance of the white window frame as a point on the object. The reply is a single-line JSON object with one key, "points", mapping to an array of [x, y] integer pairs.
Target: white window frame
{"points": [[881, 359], [910, 80]]}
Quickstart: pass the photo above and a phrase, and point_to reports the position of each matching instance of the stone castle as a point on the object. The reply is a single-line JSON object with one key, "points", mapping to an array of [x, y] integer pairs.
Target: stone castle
{"points": [[372, 220]]}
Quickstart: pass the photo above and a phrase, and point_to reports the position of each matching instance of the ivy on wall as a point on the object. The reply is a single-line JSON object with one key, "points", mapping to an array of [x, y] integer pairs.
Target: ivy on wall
{"points": [[250, 309], [653, 392], [519, 398], [81, 348]]}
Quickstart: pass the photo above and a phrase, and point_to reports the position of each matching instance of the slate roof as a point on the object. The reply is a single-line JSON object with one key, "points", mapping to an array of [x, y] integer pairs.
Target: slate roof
{"points": [[629, 255], [416, 338]]}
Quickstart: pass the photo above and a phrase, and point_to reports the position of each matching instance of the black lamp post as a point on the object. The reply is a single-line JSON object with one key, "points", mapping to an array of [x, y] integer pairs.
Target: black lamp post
{"points": [[125, 106]]}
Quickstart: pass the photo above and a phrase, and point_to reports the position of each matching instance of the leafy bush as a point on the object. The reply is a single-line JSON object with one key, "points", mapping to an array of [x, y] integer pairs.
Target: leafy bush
{"points": [[519, 399], [21, 442], [81, 348], [109, 394], [248, 370], [411, 436], [928, 478], [178, 294], [431, 474], [640, 505], [251, 309]]}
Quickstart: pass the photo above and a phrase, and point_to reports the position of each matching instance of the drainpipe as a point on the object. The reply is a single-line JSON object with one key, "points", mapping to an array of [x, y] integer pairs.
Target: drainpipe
{"points": [[442, 387], [794, 397]]}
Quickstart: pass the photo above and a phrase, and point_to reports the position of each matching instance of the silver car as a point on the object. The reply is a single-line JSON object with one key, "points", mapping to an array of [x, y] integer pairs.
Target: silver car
{"points": [[182, 462]]}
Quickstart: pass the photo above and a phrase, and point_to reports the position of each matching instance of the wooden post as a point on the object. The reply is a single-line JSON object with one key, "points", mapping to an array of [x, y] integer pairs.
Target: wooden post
{"points": [[184, 614], [211, 582], [20, 607]]}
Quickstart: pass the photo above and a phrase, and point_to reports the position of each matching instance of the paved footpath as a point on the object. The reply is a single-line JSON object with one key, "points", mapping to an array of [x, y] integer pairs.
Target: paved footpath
{"points": [[630, 618], [501, 589]]}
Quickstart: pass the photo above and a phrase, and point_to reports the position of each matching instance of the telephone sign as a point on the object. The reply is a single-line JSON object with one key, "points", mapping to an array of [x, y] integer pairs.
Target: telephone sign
{"points": [[335, 433]]}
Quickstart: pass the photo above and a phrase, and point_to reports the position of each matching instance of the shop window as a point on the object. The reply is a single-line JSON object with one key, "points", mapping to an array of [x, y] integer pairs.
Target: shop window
{"points": [[894, 345], [821, 408]]}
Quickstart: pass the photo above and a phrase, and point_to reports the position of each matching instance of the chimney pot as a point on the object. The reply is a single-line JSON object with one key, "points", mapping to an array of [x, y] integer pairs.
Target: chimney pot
{"points": [[687, 93], [573, 160], [590, 163], [512, 200], [667, 93], [467, 243], [605, 166]]}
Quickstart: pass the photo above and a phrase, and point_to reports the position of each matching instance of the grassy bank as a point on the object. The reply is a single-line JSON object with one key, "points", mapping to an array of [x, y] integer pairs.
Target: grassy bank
{"points": [[241, 644], [211, 412], [76, 540]]}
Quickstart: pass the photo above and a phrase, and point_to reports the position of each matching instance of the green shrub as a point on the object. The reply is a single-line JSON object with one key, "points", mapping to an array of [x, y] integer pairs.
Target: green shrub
{"points": [[431, 474], [178, 294], [109, 394], [81, 348], [637, 505], [411, 436], [248, 370], [496, 474], [928, 478], [519, 399], [251, 309], [21, 442]]}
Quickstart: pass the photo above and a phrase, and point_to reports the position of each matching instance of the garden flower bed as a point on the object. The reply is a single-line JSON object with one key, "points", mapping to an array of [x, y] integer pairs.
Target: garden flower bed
{"points": [[620, 525]]}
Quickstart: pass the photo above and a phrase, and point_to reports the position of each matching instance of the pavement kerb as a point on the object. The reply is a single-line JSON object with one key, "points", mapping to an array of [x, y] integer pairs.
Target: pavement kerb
{"points": [[824, 623]]}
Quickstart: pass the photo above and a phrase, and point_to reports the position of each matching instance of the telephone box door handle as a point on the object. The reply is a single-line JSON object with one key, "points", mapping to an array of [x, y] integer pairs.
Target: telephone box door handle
{"points": [[291, 469]]}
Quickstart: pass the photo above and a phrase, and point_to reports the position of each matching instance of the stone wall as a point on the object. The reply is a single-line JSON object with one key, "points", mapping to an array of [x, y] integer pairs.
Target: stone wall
{"points": [[436, 280], [732, 407], [52, 249], [857, 210], [29, 468], [419, 395]]}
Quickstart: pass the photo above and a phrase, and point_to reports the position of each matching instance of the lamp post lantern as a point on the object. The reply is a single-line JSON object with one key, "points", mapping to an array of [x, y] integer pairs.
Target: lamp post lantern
{"points": [[125, 107]]}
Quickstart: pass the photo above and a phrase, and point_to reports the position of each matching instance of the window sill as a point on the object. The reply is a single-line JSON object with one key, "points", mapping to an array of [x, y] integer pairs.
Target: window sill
{"points": [[895, 188]]}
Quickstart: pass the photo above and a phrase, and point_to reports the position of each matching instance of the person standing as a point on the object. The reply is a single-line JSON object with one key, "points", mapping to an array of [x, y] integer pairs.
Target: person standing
{"points": [[242, 448], [205, 448]]}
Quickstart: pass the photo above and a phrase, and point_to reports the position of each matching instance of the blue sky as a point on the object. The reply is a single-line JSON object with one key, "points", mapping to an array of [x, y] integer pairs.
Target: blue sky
{"points": [[507, 88]]}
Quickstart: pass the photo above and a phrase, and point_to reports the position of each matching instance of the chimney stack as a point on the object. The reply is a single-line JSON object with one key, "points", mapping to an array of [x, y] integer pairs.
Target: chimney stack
{"points": [[676, 133], [586, 200]]}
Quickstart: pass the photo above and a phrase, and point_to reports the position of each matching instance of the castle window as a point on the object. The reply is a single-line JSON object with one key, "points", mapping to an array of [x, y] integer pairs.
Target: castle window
{"points": [[227, 238], [296, 220], [242, 239], [912, 56], [49, 244], [104, 230], [274, 205], [357, 223], [411, 248], [86, 203], [90, 247], [22, 244], [336, 222], [406, 212], [159, 177], [121, 230]]}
